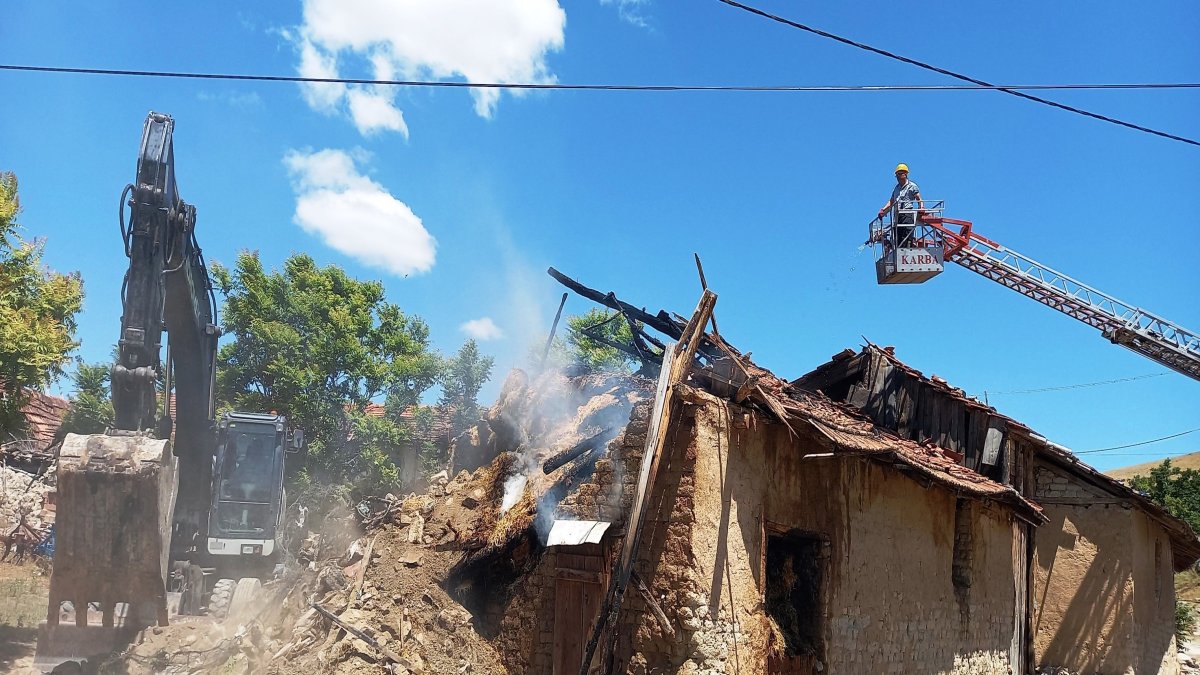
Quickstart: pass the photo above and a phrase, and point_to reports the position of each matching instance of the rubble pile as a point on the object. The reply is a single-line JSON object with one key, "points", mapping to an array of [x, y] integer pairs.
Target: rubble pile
{"points": [[23, 494], [437, 571], [423, 589]]}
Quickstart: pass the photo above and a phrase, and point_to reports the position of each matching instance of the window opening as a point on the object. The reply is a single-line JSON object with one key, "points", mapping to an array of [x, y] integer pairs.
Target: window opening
{"points": [[795, 575]]}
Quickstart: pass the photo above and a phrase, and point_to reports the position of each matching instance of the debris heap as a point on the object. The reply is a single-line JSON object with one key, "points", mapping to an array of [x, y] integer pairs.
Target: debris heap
{"points": [[23, 495], [426, 587]]}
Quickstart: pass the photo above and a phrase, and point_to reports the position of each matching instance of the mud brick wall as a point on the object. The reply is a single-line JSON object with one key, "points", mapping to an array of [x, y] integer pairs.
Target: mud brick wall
{"points": [[1103, 582], [890, 603], [608, 493], [525, 638], [1051, 484], [665, 563], [527, 627]]}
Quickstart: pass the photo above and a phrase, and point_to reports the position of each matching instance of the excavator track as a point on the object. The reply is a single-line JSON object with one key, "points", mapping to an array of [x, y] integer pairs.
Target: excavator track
{"points": [[111, 557]]}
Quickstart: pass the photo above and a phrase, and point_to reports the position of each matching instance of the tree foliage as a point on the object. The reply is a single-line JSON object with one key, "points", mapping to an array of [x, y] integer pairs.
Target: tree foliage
{"points": [[1177, 490], [1185, 622], [592, 353], [37, 311], [317, 345], [91, 406], [462, 377]]}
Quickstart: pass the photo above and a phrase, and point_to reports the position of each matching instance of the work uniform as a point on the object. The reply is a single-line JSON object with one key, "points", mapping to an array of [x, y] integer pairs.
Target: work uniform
{"points": [[904, 197]]}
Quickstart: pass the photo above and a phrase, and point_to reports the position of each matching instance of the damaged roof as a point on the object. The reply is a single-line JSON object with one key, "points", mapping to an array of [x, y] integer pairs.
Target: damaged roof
{"points": [[851, 432], [1185, 544], [729, 374]]}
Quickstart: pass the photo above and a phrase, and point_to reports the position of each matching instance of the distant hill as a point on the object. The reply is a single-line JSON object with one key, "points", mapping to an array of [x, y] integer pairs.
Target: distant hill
{"points": [[1189, 461]]}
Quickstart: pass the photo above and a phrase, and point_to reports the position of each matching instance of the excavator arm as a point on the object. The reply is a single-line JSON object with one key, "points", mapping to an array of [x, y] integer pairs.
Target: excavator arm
{"points": [[133, 499], [167, 288]]}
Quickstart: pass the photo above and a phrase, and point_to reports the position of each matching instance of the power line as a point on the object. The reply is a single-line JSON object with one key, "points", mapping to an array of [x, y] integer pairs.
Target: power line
{"points": [[958, 76], [599, 86], [1083, 385], [1174, 454], [1134, 445]]}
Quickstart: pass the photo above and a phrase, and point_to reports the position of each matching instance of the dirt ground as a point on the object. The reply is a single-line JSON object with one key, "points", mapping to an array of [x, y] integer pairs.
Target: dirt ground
{"points": [[24, 592]]}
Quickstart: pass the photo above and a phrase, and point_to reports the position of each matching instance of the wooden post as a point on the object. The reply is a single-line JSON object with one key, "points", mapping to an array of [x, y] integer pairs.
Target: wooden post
{"points": [[550, 337], [704, 286], [675, 370]]}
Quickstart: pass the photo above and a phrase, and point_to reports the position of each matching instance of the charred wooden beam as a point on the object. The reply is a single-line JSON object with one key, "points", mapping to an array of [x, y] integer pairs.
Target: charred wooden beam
{"points": [[704, 287], [594, 441], [662, 322], [631, 350], [553, 328]]}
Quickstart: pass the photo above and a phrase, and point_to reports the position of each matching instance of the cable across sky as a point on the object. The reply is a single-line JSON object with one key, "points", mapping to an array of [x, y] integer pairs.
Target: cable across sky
{"points": [[975, 84], [1015, 91], [452, 84], [1134, 445], [1083, 385]]}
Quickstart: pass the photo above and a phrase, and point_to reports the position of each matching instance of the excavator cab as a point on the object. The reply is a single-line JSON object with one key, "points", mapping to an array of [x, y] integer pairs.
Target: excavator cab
{"points": [[247, 504], [908, 249]]}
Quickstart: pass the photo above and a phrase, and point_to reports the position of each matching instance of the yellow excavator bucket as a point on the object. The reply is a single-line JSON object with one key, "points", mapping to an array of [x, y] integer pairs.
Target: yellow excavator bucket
{"points": [[116, 497]]}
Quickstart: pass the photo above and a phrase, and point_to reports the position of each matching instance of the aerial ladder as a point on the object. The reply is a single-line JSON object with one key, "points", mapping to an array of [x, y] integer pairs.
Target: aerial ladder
{"points": [[912, 246]]}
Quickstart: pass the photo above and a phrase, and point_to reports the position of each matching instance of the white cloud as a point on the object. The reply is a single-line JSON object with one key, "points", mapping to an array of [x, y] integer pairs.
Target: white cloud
{"points": [[357, 216], [373, 112], [246, 100], [630, 10], [482, 329], [323, 96], [476, 40]]}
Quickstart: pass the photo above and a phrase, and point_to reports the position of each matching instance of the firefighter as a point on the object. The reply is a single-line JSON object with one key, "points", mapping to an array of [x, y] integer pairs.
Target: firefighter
{"points": [[907, 196]]}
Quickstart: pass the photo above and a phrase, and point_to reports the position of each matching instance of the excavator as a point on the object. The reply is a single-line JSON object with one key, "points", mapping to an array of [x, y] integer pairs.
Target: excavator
{"points": [[171, 511], [913, 244]]}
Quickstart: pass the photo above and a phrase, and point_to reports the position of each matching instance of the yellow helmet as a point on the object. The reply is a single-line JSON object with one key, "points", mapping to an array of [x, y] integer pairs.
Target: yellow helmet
{"points": [[902, 167]]}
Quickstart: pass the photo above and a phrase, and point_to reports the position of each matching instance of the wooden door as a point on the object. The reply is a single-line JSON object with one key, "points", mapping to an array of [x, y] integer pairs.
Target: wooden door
{"points": [[578, 594]]}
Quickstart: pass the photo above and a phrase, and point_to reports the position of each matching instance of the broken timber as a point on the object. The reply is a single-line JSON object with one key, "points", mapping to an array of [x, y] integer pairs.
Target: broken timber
{"points": [[674, 372], [550, 337], [370, 641]]}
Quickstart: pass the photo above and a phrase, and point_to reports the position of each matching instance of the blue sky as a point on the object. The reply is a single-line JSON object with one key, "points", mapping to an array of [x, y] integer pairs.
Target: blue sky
{"points": [[472, 197]]}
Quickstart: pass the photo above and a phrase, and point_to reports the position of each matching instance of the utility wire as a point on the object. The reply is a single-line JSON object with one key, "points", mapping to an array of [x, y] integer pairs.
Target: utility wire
{"points": [[1134, 445], [597, 87], [1174, 454], [958, 76], [1075, 386]]}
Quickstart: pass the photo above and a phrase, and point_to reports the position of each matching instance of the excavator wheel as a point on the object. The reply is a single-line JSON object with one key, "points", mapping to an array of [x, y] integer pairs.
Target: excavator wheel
{"points": [[221, 598], [244, 595]]}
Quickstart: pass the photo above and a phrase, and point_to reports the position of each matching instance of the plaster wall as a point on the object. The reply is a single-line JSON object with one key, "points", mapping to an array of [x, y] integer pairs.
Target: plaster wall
{"points": [[890, 604], [1103, 590]]}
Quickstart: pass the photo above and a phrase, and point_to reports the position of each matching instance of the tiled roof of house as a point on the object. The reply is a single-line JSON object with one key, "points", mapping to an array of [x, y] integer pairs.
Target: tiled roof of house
{"points": [[851, 432], [1186, 545]]}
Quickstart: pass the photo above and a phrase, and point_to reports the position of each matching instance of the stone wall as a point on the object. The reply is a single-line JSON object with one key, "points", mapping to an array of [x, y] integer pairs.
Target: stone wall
{"points": [[1103, 590], [527, 641]]}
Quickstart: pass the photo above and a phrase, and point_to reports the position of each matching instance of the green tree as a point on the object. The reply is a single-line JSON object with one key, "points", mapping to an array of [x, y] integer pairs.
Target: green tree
{"points": [[430, 454], [595, 354], [37, 312], [91, 406], [1177, 490], [317, 345], [463, 375]]}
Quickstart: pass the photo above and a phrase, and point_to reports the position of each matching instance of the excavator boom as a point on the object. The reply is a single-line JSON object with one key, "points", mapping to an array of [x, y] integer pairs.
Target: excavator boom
{"points": [[132, 499]]}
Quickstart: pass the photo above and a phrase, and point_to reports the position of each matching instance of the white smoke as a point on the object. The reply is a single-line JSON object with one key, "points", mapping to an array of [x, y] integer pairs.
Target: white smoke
{"points": [[514, 487]]}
